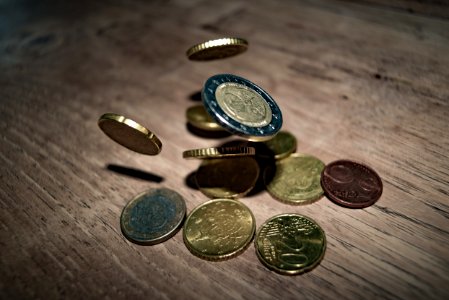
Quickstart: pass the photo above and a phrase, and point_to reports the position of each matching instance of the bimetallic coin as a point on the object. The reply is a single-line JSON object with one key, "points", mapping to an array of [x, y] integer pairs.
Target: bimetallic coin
{"points": [[130, 134], [351, 184], [296, 179], [241, 107], [217, 49], [153, 216], [218, 152], [290, 244], [227, 177], [219, 229], [282, 145], [197, 116]]}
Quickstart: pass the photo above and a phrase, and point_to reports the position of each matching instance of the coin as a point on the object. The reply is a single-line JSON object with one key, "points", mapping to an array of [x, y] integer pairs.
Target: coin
{"points": [[296, 179], [290, 244], [219, 229], [282, 145], [227, 177], [153, 216], [217, 49], [218, 152], [198, 117], [351, 184], [130, 134], [241, 107]]}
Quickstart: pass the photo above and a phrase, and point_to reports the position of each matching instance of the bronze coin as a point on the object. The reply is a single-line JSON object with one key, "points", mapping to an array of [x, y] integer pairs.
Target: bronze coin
{"points": [[351, 184]]}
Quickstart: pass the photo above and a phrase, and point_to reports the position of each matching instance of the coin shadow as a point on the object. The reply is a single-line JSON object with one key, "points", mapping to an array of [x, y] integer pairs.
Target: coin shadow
{"points": [[195, 96], [135, 173], [207, 134], [190, 180]]}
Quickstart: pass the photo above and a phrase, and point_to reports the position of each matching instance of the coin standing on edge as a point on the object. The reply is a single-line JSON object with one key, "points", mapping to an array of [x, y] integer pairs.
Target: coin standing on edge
{"points": [[227, 177], [219, 229], [153, 216], [197, 116], [351, 184], [217, 49], [241, 107], [129, 134], [218, 152], [290, 244], [295, 179]]}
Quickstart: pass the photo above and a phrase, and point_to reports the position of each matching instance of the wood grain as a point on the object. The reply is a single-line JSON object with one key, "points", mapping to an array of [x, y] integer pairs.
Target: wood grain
{"points": [[364, 81]]}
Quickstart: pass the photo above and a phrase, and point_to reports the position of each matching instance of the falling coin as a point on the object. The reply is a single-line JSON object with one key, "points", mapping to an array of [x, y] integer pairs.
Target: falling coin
{"points": [[218, 152], [227, 177], [130, 134], [197, 116], [217, 49], [219, 229], [153, 216], [282, 145], [351, 184], [290, 244]]}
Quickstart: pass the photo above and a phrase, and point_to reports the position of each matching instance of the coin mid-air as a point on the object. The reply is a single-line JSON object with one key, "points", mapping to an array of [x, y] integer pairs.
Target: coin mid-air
{"points": [[217, 49], [198, 117], [130, 134], [218, 152]]}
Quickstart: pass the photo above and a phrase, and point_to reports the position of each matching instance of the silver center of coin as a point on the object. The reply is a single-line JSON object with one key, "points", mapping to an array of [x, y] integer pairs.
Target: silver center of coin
{"points": [[243, 104]]}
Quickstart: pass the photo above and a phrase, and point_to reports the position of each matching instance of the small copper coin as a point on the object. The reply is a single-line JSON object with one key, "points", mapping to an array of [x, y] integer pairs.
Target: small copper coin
{"points": [[351, 184]]}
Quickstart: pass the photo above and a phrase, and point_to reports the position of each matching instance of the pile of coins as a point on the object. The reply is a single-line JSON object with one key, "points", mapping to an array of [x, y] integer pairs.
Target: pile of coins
{"points": [[223, 227]]}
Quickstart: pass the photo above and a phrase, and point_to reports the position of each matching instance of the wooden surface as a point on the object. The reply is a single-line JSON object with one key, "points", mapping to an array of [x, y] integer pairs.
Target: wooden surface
{"points": [[367, 81]]}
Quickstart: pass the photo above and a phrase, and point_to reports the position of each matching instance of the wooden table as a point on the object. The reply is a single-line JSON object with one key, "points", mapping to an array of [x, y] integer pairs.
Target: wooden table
{"points": [[367, 81]]}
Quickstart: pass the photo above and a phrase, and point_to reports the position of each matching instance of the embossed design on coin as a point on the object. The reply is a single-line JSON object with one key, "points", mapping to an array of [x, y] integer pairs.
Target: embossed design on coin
{"points": [[296, 179], [227, 177], [351, 184], [153, 216], [243, 104], [219, 229], [290, 244]]}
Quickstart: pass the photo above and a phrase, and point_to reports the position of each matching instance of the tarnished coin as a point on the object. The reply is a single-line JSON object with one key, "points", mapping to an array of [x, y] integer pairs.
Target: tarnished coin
{"points": [[153, 216], [130, 134], [295, 179], [218, 152], [241, 107], [282, 145], [219, 229], [351, 184], [290, 244], [197, 116], [227, 177], [216, 49]]}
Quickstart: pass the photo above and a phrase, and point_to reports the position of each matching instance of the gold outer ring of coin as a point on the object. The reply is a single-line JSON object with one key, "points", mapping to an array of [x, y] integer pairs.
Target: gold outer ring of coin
{"points": [[216, 49], [219, 229], [218, 152], [198, 117], [129, 134]]}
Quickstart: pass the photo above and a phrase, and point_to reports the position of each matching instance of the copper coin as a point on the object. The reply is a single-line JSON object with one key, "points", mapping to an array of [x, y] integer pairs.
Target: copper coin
{"points": [[351, 184]]}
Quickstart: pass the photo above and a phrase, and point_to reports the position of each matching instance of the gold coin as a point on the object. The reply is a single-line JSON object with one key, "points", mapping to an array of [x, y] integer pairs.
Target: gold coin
{"points": [[218, 152], [295, 179], [290, 244], [130, 134], [227, 177], [219, 229], [198, 117], [282, 145], [216, 49]]}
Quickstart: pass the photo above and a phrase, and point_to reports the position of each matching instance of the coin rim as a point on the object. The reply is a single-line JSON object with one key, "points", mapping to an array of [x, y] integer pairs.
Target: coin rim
{"points": [[203, 125], [161, 238], [290, 201], [230, 255], [150, 136], [218, 152], [342, 202], [290, 272], [290, 151], [227, 122], [215, 43]]}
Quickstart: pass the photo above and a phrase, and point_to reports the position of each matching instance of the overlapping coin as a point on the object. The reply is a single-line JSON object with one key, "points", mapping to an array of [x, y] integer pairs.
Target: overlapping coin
{"points": [[218, 152], [241, 107], [153, 216], [351, 184], [290, 244], [217, 49], [200, 119], [281, 146], [130, 134], [219, 229], [295, 179]]}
